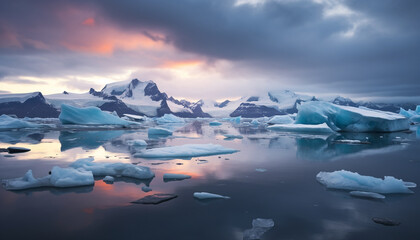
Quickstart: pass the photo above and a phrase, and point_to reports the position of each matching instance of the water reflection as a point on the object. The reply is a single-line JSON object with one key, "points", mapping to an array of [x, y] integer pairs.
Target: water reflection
{"points": [[14, 137], [86, 139]]}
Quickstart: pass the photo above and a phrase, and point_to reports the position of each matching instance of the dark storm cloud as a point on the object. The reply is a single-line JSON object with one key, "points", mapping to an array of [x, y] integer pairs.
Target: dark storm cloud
{"points": [[270, 39]]}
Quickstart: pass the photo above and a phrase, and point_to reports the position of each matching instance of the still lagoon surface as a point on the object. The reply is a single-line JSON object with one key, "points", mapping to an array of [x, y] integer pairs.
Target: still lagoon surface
{"points": [[283, 188]]}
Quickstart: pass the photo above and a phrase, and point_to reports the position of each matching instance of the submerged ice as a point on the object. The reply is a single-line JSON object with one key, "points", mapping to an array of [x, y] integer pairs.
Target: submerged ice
{"points": [[347, 180], [185, 151]]}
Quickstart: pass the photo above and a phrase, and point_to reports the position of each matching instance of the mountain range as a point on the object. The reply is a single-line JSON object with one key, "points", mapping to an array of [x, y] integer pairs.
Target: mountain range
{"points": [[144, 98]]}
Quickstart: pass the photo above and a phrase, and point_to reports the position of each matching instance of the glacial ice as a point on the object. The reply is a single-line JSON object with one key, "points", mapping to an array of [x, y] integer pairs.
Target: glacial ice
{"points": [[236, 120], [413, 116], [347, 180], [350, 119], [280, 119], [215, 123], [113, 169], [159, 131], [7, 122], [175, 177], [185, 151], [367, 194], [137, 142], [206, 195], [304, 128], [88, 116], [60, 177], [169, 118], [108, 179]]}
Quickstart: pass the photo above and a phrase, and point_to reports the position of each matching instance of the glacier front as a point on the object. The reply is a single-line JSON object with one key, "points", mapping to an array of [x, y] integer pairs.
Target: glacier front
{"points": [[350, 119]]}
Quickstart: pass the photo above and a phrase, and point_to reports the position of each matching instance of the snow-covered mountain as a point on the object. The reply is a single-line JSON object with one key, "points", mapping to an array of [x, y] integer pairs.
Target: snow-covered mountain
{"points": [[145, 98]]}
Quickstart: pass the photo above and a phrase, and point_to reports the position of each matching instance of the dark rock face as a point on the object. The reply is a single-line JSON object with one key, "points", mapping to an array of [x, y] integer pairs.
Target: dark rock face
{"points": [[152, 90], [385, 221], [253, 99], [223, 104], [251, 110], [32, 107], [119, 107]]}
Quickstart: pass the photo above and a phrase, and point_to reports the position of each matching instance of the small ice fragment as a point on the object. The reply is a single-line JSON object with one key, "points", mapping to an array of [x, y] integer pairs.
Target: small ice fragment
{"points": [[385, 221], [108, 179], [215, 123], [18, 149], [261, 170], [348, 141], [367, 195], [159, 131], [304, 128], [410, 184], [206, 195], [146, 189], [185, 151], [155, 198], [233, 136], [137, 142], [174, 177], [202, 161]]}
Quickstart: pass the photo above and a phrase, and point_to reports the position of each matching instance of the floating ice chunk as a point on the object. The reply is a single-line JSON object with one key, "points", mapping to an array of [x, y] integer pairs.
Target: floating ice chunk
{"points": [[348, 141], [108, 179], [159, 131], [410, 184], [236, 120], [113, 169], [60, 177], [206, 195], [353, 181], [367, 194], [17, 149], [215, 123], [175, 177], [350, 119], [233, 136], [137, 142], [305, 128], [146, 189], [407, 114], [261, 170], [259, 227], [7, 122], [136, 118], [155, 198], [185, 151], [280, 119], [88, 116], [169, 118]]}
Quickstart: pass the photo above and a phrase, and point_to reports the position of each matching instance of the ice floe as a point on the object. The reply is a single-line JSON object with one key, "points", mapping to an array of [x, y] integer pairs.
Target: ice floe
{"points": [[362, 194], [347, 180], [7, 122], [350, 119], [304, 128], [88, 116], [175, 177], [169, 118], [280, 119], [185, 151], [206, 195], [113, 169], [60, 177], [159, 131]]}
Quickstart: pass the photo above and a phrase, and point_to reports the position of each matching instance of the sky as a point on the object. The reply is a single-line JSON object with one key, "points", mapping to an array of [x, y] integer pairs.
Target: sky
{"points": [[216, 49]]}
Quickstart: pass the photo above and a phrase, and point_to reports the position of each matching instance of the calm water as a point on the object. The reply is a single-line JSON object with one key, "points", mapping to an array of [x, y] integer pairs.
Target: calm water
{"points": [[287, 192]]}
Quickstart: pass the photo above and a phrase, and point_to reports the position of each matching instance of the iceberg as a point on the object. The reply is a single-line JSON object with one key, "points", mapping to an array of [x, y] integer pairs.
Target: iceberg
{"points": [[367, 195], [347, 180], [413, 116], [7, 122], [350, 119], [60, 177], [88, 116], [159, 131], [206, 195], [174, 177], [215, 123], [169, 118], [113, 169], [137, 142], [185, 151], [304, 128], [280, 119]]}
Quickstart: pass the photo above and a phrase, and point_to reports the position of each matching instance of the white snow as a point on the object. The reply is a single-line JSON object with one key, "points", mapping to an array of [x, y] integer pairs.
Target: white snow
{"points": [[88, 116], [175, 176], [17, 97], [113, 169], [280, 119], [135, 117], [177, 108], [350, 119], [108, 179], [206, 195], [185, 151], [60, 177], [7, 122], [75, 99], [137, 142], [353, 181], [367, 194], [318, 128], [215, 123], [169, 118], [159, 131]]}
